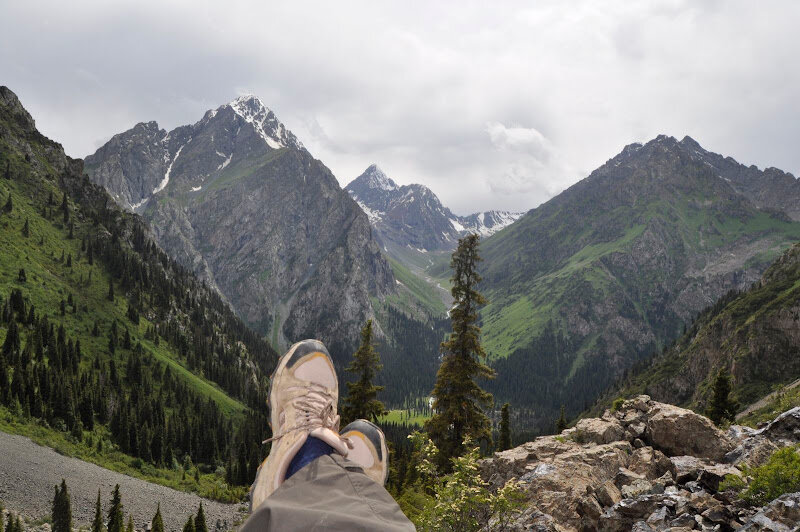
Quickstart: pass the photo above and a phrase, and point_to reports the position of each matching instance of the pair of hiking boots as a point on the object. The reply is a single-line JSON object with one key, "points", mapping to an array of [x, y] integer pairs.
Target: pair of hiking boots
{"points": [[303, 397]]}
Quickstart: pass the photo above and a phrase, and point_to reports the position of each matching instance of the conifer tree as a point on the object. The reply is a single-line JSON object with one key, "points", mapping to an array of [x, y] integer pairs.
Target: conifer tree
{"points": [[22, 276], [130, 527], [1, 518], [189, 526], [26, 230], [561, 423], [62, 509], [116, 521], [110, 290], [65, 208], [722, 408], [505, 428], [361, 401], [458, 400], [157, 524], [7, 175], [200, 520], [10, 527], [9, 206], [97, 523]]}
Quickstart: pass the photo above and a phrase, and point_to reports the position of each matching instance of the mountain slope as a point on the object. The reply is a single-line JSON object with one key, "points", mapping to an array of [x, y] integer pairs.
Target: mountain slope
{"points": [[236, 198], [586, 284], [754, 333], [411, 217], [106, 342]]}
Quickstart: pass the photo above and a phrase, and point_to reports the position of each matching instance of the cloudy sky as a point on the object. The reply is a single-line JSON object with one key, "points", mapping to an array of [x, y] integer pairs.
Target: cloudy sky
{"points": [[492, 105]]}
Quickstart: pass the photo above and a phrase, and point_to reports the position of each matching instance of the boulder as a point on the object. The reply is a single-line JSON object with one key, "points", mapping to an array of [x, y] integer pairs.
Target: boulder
{"points": [[678, 431], [626, 477], [608, 494], [784, 428], [686, 468], [752, 451], [781, 515], [598, 431], [650, 463], [636, 488]]}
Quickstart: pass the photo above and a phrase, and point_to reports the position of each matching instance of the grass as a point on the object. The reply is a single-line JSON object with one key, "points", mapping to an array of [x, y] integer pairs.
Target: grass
{"points": [[783, 401], [407, 416], [424, 292], [49, 280]]}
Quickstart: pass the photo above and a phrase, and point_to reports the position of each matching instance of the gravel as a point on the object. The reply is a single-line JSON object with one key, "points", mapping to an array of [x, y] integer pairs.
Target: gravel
{"points": [[29, 471]]}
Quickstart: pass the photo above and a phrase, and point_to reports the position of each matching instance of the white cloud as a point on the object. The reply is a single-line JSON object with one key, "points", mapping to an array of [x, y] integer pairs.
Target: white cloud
{"points": [[492, 107]]}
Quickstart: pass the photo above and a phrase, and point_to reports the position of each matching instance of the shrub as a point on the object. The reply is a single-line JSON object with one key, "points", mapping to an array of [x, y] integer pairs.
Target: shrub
{"points": [[618, 402], [762, 484]]}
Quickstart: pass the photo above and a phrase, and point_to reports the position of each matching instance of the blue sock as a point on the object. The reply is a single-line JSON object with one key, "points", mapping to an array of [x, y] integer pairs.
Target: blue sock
{"points": [[312, 449]]}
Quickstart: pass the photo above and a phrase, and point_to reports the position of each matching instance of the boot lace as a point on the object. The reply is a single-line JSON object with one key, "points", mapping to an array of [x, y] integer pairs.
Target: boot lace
{"points": [[317, 410]]}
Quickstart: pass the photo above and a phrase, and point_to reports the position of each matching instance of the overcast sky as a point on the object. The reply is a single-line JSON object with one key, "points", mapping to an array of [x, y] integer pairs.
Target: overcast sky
{"points": [[491, 104]]}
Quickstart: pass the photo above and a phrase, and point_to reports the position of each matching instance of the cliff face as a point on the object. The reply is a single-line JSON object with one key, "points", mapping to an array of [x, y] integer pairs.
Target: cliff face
{"points": [[236, 198]]}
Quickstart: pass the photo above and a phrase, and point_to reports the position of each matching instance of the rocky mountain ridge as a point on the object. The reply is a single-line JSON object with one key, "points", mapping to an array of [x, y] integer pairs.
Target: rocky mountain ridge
{"points": [[608, 271], [413, 217], [647, 466], [236, 198]]}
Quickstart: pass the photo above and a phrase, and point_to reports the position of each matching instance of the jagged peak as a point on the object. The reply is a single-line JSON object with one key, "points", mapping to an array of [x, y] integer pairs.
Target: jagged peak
{"points": [[252, 110], [374, 178]]}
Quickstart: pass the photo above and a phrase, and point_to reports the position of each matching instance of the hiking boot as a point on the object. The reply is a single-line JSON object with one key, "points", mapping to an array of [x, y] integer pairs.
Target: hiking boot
{"points": [[303, 395], [368, 449]]}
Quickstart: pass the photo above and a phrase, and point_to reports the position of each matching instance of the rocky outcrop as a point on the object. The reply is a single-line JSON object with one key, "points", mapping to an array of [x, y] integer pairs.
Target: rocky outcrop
{"points": [[647, 466]]}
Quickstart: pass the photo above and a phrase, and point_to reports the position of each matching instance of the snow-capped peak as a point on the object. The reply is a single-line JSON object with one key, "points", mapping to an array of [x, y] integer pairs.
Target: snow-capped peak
{"points": [[253, 111], [375, 178]]}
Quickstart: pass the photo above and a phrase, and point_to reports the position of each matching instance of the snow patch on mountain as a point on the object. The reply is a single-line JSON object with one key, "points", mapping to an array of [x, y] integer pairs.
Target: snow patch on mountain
{"points": [[161, 186], [264, 121]]}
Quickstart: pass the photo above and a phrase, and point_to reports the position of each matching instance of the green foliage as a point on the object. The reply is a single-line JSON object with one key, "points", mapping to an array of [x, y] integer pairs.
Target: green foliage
{"points": [[189, 526], [62, 509], [157, 524], [460, 500], [115, 518], [458, 400], [97, 522], [762, 484], [505, 429], [362, 401], [200, 520], [561, 423], [130, 527], [721, 407], [617, 404]]}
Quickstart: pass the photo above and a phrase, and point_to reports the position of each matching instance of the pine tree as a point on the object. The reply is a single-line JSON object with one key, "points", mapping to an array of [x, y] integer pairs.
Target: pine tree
{"points": [[361, 401], [189, 526], [7, 175], [9, 206], [62, 509], [110, 290], [561, 423], [130, 527], [157, 524], [65, 208], [97, 523], [116, 521], [505, 428], [1, 517], [458, 401], [722, 408], [200, 520], [26, 230], [22, 276]]}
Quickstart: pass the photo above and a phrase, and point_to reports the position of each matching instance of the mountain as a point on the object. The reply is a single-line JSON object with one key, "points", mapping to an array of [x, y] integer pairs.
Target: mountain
{"points": [[237, 199], [111, 350], [410, 218], [754, 333], [611, 269]]}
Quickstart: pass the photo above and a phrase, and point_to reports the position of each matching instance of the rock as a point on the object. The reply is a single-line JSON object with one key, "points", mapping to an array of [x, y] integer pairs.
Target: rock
{"points": [[785, 427], [685, 468], [677, 431], [598, 431], [662, 483], [752, 451], [685, 521], [781, 515], [608, 494], [649, 463], [636, 488], [641, 526], [626, 477], [659, 518], [710, 476]]}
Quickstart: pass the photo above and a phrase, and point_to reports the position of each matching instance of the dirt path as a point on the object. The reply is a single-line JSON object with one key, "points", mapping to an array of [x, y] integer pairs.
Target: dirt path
{"points": [[765, 400], [29, 471]]}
